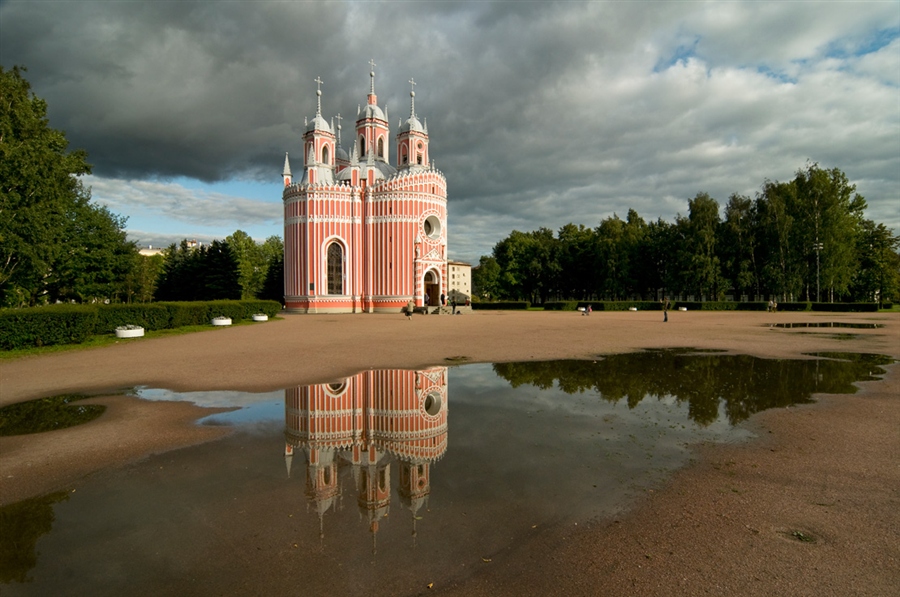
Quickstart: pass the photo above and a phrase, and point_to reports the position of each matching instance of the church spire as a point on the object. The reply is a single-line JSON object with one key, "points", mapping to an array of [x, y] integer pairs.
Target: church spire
{"points": [[372, 99], [319, 82], [287, 170], [412, 98]]}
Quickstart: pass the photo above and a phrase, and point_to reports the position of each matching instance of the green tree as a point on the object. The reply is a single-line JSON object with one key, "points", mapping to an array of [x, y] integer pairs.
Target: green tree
{"points": [[780, 268], [140, 284], [97, 258], [220, 277], [612, 258], [273, 285], [528, 264], [700, 270], [486, 279], [38, 191], [831, 214], [878, 277], [575, 259], [736, 246]]}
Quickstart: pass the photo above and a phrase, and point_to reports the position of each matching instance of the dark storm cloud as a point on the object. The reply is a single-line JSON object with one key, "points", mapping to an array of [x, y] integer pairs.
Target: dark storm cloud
{"points": [[539, 113]]}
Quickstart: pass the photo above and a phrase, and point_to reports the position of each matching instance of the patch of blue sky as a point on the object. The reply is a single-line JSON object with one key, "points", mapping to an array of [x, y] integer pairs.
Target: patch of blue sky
{"points": [[853, 47], [682, 53], [778, 75], [248, 189]]}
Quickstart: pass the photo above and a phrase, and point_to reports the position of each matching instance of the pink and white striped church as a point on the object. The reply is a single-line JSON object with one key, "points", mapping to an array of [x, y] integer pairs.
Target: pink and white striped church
{"points": [[361, 234]]}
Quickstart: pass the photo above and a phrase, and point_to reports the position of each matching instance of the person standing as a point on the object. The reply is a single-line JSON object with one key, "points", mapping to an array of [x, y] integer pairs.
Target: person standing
{"points": [[666, 309]]}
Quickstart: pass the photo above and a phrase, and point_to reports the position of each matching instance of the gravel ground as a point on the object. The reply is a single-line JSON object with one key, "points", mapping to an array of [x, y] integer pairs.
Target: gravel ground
{"points": [[729, 524]]}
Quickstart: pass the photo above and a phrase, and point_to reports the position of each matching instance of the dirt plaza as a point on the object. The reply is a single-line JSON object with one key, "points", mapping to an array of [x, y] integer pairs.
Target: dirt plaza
{"points": [[725, 525]]}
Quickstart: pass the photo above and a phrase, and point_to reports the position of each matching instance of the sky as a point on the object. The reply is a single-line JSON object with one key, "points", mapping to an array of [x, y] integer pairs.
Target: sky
{"points": [[539, 114]]}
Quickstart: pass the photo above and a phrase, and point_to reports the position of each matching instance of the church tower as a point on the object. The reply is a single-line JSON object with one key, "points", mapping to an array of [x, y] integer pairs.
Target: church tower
{"points": [[412, 139], [318, 146], [372, 132]]}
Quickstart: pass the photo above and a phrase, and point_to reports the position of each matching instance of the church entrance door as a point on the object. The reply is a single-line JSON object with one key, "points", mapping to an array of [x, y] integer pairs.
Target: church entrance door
{"points": [[432, 289]]}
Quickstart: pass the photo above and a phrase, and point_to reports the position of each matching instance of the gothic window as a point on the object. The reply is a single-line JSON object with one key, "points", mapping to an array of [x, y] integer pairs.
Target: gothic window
{"points": [[362, 146], [335, 269], [325, 154], [381, 147], [404, 158]]}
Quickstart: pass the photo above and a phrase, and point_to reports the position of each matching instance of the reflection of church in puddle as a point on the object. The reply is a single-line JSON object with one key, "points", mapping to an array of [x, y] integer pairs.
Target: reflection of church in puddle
{"points": [[366, 423]]}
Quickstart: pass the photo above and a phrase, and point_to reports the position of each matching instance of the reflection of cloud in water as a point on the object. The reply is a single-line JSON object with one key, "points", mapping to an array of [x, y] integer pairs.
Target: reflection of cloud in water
{"points": [[209, 399]]}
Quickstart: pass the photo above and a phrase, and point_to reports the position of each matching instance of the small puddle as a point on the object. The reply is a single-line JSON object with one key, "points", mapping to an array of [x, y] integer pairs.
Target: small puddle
{"points": [[827, 324], [47, 414], [371, 485]]}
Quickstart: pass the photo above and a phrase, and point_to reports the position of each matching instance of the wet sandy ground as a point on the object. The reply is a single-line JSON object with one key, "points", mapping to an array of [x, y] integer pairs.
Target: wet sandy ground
{"points": [[727, 525]]}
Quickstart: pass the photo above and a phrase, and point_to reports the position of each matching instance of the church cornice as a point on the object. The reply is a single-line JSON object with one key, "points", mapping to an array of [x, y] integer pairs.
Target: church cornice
{"points": [[322, 219]]}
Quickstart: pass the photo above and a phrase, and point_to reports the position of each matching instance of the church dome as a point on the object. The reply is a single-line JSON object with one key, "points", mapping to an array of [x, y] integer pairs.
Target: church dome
{"points": [[412, 124], [319, 124], [341, 154], [371, 111]]}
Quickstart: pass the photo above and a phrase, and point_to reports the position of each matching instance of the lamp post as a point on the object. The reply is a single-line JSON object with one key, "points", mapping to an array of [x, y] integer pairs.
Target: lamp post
{"points": [[817, 247]]}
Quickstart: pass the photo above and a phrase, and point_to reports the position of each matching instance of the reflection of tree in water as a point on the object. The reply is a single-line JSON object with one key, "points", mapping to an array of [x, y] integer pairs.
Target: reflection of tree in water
{"points": [[21, 525], [744, 384]]}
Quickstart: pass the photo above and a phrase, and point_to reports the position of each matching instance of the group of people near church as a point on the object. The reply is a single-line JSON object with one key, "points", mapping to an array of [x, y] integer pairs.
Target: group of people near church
{"points": [[445, 301]]}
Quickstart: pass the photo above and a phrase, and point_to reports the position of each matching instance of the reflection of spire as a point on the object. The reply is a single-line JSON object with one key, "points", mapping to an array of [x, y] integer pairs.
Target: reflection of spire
{"points": [[288, 457]]}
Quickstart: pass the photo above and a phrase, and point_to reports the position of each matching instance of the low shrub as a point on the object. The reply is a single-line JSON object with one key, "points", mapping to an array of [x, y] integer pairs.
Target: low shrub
{"points": [[501, 306], [150, 316], [73, 324], [560, 305], [620, 305], [844, 307], [45, 326]]}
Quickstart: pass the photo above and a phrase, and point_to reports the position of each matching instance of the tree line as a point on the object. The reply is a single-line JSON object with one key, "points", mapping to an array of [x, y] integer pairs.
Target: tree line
{"points": [[806, 239], [56, 245]]}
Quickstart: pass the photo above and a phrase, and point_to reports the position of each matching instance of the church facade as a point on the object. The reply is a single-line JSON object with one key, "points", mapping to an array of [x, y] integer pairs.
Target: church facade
{"points": [[363, 234]]}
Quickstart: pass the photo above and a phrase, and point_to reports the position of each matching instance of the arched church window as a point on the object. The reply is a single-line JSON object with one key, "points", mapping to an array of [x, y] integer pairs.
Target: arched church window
{"points": [[404, 157], [381, 147], [325, 154], [335, 269], [362, 146]]}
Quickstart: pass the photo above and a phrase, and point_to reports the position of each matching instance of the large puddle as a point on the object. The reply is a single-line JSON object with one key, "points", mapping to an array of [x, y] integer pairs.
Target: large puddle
{"points": [[391, 480]]}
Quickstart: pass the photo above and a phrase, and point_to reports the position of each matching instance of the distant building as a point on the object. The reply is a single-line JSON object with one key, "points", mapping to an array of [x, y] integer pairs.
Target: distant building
{"points": [[150, 251], [460, 282], [361, 234]]}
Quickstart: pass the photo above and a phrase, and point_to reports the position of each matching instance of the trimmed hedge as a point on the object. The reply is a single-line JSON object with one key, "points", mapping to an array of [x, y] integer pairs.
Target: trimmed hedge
{"points": [[73, 324], [560, 305], [501, 306], [709, 306], [844, 307], [151, 316], [44, 326]]}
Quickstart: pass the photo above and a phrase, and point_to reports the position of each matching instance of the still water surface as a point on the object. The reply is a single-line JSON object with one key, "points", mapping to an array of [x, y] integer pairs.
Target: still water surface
{"points": [[393, 479]]}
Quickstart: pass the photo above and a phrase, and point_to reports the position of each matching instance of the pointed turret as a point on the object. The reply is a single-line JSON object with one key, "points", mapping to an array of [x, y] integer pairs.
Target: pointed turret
{"points": [[287, 171]]}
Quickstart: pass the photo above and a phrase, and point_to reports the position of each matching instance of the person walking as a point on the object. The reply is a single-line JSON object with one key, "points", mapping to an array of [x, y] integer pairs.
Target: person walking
{"points": [[666, 309], [410, 307]]}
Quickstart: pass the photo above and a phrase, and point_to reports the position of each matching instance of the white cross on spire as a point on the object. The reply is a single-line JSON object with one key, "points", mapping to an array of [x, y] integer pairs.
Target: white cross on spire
{"points": [[319, 82]]}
